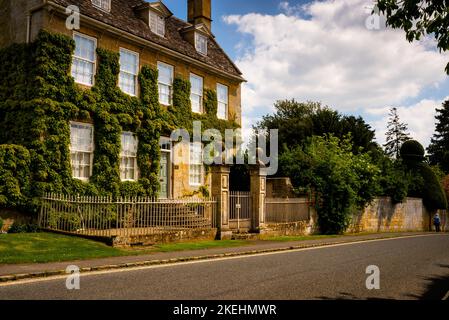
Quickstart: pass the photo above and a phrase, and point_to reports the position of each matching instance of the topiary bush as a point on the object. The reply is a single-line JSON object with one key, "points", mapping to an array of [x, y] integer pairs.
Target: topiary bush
{"points": [[433, 195], [412, 151], [424, 182]]}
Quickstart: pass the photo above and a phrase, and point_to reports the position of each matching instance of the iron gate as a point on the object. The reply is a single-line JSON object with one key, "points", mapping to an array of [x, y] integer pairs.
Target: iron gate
{"points": [[240, 210]]}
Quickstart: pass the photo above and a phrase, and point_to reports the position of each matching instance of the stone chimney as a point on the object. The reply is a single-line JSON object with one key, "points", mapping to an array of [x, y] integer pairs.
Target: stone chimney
{"points": [[199, 11]]}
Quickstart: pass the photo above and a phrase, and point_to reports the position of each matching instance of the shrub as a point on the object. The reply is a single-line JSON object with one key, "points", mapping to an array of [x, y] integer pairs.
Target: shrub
{"points": [[341, 179], [1, 224], [23, 228], [394, 180]]}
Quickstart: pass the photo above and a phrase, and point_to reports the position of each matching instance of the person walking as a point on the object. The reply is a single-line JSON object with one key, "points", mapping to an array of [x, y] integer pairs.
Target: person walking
{"points": [[436, 222]]}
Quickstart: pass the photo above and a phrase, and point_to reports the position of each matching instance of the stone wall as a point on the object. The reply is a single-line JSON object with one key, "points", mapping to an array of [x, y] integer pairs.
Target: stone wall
{"points": [[380, 216], [166, 237], [383, 216], [279, 188]]}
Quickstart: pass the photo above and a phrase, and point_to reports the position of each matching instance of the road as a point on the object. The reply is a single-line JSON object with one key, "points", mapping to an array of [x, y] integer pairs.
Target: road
{"points": [[410, 268]]}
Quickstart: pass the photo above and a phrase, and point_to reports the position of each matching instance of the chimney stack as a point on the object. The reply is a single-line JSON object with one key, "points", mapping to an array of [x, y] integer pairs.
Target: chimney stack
{"points": [[199, 11]]}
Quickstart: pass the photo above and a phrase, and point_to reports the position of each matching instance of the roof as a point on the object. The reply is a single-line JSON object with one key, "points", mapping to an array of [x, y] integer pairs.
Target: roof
{"points": [[124, 17]]}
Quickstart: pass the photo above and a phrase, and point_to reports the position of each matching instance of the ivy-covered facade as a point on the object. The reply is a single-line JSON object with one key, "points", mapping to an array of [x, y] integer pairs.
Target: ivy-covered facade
{"points": [[41, 103]]}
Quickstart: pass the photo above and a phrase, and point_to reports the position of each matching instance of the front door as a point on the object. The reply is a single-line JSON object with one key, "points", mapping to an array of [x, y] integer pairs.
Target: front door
{"points": [[164, 175]]}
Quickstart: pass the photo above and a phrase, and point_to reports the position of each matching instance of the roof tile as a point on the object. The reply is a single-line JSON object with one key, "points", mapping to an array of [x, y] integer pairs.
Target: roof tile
{"points": [[123, 16]]}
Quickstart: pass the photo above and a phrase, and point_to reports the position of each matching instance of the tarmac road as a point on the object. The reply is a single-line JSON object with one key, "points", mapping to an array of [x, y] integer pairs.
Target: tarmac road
{"points": [[410, 268]]}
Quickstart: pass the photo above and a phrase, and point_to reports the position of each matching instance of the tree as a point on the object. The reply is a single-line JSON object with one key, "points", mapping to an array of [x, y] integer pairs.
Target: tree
{"points": [[298, 121], [393, 179], [396, 134], [439, 146], [418, 19], [341, 180]]}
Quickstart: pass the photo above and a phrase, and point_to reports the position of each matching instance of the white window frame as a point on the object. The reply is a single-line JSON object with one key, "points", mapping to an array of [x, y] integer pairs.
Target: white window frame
{"points": [[200, 94], [198, 44], [226, 103], [157, 25], [169, 85], [193, 163], [104, 5], [75, 151], [132, 157], [94, 62], [126, 72]]}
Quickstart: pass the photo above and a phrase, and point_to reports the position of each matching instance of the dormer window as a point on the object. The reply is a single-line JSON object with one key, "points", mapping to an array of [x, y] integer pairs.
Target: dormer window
{"points": [[102, 4], [157, 24], [201, 43]]}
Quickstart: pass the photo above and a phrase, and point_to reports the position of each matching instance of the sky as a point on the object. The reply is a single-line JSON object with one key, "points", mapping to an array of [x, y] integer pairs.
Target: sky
{"points": [[331, 51]]}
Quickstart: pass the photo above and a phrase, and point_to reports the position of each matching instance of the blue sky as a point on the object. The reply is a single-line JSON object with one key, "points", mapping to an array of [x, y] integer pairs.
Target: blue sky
{"points": [[323, 51], [226, 35]]}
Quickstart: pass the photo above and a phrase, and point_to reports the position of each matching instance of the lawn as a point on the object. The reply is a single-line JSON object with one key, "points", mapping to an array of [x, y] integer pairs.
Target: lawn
{"points": [[49, 247]]}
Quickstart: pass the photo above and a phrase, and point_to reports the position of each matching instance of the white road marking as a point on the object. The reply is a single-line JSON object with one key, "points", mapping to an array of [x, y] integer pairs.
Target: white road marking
{"points": [[130, 269], [446, 296]]}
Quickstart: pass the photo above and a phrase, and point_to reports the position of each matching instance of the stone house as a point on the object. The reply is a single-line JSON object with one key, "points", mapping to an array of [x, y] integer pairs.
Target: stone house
{"points": [[142, 35]]}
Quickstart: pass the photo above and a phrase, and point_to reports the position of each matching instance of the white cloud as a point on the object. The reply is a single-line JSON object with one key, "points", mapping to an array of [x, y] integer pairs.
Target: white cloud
{"points": [[420, 118], [289, 9], [332, 57]]}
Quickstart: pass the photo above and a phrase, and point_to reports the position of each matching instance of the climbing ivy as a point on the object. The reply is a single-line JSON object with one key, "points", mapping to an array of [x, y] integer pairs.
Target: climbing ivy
{"points": [[39, 98]]}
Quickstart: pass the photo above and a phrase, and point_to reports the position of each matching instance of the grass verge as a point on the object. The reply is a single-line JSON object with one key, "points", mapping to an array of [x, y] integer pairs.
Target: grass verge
{"points": [[48, 247]]}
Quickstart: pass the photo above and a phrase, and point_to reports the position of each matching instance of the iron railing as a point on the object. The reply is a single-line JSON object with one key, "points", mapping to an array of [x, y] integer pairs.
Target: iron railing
{"points": [[126, 216]]}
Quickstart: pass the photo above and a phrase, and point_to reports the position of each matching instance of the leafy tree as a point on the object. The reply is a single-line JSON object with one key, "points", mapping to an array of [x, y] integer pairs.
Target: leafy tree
{"points": [[341, 180], [297, 121], [439, 147], [393, 180], [362, 134], [396, 134], [418, 19]]}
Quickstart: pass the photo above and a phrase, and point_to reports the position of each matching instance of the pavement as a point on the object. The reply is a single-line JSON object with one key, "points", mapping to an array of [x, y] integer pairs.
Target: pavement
{"points": [[413, 267], [14, 272]]}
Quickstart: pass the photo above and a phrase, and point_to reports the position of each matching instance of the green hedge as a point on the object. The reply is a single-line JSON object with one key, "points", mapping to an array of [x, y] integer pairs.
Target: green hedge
{"points": [[433, 195], [423, 181]]}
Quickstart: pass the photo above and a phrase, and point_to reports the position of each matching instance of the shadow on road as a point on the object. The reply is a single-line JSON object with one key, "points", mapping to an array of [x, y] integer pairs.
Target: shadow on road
{"points": [[437, 287], [349, 296]]}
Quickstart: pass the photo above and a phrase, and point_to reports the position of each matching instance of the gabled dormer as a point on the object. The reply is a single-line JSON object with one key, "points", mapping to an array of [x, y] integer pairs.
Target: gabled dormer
{"points": [[198, 35], [104, 5], [154, 14]]}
